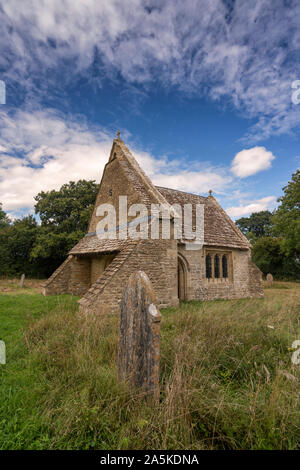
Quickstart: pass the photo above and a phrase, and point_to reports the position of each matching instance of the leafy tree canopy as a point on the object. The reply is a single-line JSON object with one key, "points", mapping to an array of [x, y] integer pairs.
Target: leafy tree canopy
{"points": [[286, 221], [68, 209], [267, 255], [38, 250], [64, 215], [4, 220], [16, 242], [257, 225]]}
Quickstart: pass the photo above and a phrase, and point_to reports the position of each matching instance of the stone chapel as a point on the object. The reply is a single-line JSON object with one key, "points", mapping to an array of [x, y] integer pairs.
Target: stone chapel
{"points": [[97, 270]]}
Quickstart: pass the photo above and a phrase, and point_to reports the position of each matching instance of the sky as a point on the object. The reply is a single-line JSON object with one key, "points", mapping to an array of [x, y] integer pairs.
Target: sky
{"points": [[204, 93]]}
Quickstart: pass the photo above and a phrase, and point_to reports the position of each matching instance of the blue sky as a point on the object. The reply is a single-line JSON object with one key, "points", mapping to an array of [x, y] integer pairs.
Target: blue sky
{"points": [[201, 91]]}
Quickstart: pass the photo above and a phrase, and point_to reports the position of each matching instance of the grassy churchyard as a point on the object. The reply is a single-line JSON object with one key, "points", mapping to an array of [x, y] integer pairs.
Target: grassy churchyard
{"points": [[227, 379]]}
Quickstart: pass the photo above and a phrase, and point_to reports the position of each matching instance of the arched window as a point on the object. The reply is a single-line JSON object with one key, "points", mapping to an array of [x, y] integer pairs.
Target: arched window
{"points": [[224, 266], [208, 266], [217, 266]]}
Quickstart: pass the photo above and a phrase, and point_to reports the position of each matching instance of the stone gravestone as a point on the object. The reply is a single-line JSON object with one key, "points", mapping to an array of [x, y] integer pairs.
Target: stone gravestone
{"points": [[269, 279], [2, 352], [22, 280], [139, 336]]}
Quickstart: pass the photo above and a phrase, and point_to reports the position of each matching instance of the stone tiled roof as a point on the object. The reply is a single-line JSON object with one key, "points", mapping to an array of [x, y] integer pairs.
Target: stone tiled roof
{"points": [[219, 229], [92, 244]]}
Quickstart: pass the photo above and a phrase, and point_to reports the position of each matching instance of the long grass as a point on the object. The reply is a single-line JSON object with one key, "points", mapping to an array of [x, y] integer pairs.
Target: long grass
{"points": [[226, 380]]}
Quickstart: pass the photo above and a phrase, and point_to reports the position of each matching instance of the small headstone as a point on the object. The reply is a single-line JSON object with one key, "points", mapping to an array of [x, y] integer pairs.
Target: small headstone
{"points": [[139, 336], [22, 280], [269, 279], [2, 352]]}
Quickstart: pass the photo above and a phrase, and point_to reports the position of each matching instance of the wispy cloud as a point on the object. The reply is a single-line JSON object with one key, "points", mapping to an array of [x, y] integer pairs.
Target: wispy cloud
{"points": [[41, 150], [265, 203], [247, 51]]}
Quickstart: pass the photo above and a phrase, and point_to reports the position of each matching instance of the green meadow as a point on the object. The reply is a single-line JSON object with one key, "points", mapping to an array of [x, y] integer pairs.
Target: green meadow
{"points": [[226, 375]]}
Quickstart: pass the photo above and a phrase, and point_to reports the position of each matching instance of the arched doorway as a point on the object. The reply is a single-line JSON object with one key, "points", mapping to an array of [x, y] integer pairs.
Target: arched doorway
{"points": [[181, 280]]}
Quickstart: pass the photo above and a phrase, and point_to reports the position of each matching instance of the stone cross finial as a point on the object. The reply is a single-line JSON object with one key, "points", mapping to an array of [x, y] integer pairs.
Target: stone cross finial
{"points": [[210, 192], [118, 135]]}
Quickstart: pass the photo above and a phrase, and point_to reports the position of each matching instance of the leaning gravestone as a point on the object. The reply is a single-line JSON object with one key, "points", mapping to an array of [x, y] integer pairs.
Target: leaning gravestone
{"points": [[22, 280], [139, 335], [269, 279]]}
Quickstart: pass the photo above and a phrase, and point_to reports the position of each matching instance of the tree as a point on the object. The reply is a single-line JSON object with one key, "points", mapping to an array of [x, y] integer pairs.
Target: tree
{"points": [[257, 225], [68, 209], [4, 220], [268, 256], [64, 215], [37, 250], [16, 243], [286, 220], [50, 248]]}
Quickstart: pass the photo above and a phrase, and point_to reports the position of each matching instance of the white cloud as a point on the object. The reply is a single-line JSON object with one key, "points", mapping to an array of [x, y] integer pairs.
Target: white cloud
{"points": [[265, 203], [243, 50], [251, 161], [52, 152], [44, 151]]}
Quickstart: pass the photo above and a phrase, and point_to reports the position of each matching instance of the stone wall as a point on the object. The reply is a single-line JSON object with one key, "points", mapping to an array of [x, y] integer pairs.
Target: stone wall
{"points": [[98, 265], [58, 283], [102, 286], [80, 275], [77, 274], [72, 277], [157, 258], [244, 280]]}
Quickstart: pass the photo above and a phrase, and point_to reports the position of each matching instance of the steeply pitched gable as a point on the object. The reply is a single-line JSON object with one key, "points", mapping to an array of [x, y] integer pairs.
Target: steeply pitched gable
{"points": [[122, 176]]}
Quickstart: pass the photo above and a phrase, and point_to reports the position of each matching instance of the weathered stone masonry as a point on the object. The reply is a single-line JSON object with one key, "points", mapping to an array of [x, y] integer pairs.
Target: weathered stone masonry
{"points": [[98, 269]]}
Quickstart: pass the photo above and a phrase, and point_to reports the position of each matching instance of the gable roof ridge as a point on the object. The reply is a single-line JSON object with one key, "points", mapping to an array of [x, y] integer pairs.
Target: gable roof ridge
{"points": [[159, 198], [180, 191], [233, 225]]}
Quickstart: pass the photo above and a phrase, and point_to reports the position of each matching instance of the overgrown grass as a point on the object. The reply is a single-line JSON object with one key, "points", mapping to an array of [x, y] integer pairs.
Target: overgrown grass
{"points": [[12, 286], [227, 381]]}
